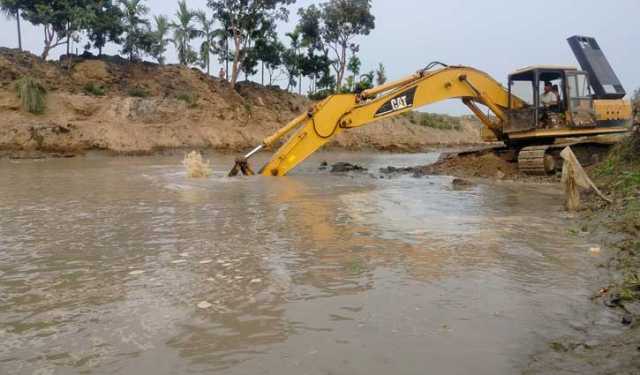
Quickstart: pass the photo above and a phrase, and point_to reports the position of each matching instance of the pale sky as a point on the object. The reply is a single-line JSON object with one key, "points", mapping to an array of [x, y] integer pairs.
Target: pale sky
{"points": [[497, 36]]}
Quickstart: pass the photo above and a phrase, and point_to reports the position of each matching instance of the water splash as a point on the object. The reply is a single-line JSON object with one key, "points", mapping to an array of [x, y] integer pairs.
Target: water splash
{"points": [[196, 166]]}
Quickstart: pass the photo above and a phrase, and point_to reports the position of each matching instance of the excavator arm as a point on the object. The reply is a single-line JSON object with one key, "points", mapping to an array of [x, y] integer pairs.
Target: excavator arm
{"points": [[338, 113]]}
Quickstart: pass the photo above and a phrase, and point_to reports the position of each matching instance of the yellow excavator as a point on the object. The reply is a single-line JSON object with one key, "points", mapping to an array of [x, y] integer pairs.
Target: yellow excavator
{"points": [[589, 103]]}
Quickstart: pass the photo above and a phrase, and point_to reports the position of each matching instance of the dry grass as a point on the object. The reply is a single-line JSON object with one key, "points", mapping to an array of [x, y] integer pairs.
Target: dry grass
{"points": [[32, 94]]}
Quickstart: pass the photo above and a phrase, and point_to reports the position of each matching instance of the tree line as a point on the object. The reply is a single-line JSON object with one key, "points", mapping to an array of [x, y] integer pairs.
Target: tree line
{"points": [[321, 48]]}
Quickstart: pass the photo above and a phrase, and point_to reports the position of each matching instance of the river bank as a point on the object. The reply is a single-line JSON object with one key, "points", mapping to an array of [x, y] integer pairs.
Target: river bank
{"points": [[610, 343], [141, 108]]}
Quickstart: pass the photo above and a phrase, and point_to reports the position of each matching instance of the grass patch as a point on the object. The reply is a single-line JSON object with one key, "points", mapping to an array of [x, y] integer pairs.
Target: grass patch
{"points": [[619, 175], [190, 98], [356, 267], [247, 107], [32, 94], [620, 172], [138, 92], [433, 120], [94, 89]]}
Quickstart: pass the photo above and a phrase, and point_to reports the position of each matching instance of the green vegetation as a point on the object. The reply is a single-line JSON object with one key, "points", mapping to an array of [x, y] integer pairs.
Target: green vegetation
{"points": [[183, 32], [138, 92], [621, 171], [432, 120], [320, 94], [356, 267], [94, 89], [11, 9], [190, 98], [619, 177], [245, 21], [32, 94]]}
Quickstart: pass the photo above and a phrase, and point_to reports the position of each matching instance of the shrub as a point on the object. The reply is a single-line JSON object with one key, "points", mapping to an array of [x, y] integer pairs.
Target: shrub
{"points": [[320, 95], [32, 94], [92, 88], [433, 120], [190, 98], [138, 92]]}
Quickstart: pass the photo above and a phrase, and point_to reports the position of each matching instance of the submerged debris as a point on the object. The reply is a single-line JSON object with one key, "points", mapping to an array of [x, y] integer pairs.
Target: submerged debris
{"points": [[343, 167], [461, 184]]}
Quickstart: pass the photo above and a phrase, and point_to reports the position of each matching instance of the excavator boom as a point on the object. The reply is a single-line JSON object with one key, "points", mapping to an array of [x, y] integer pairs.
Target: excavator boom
{"points": [[342, 112]]}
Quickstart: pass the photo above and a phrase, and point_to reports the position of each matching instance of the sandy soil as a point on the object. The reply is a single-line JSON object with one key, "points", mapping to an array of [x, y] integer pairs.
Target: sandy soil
{"points": [[180, 108]]}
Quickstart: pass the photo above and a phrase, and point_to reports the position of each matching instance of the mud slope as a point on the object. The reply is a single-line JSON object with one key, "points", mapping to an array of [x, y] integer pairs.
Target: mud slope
{"points": [[145, 107]]}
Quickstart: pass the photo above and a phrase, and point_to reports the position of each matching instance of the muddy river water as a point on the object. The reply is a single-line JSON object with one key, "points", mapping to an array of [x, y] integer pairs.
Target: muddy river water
{"points": [[124, 266]]}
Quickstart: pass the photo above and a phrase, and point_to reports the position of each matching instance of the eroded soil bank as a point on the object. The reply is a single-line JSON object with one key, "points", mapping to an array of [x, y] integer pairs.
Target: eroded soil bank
{"points": [[110, 104]]}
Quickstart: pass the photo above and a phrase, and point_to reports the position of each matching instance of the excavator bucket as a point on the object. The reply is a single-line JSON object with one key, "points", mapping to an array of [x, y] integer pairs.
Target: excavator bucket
{"points": [[241, 166]]}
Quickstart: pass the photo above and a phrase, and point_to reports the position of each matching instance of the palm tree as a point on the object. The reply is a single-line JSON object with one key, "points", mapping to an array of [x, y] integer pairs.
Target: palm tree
{"points": [[183, 33], [209, 42], [296, 44], [10, 9], [134, 25], [161, 31]]}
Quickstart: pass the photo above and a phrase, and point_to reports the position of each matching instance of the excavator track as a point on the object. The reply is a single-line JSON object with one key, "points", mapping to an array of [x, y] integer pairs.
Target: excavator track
{"points": [[535, 160]]}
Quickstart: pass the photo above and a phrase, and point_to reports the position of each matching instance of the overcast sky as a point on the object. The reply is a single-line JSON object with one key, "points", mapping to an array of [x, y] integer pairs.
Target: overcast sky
{"points": [[496, 36]]}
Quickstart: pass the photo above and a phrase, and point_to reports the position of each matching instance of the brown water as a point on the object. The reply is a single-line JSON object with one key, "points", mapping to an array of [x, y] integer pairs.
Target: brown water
{"points": [[103, 262]]}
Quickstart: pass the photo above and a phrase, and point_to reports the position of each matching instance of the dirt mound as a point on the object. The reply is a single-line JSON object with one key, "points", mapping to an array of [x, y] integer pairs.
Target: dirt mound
{"points": [[472, 163], [109, 103], [485, 165]]}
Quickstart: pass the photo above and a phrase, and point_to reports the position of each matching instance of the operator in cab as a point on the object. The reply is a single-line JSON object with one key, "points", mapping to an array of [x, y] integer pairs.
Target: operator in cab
{"points": [[549, 98]]}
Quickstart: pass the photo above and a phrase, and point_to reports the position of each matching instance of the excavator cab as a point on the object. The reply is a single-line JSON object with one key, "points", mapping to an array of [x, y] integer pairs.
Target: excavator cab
{"points": [[527, 84]]}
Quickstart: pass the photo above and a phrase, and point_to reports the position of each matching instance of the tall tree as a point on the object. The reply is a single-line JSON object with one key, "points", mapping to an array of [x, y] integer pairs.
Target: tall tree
{"points": [[59, 18], [162, 27], [343, 21], [243, 19], [268, 51], [353, 67], [291, 64], [136, 28], [11, 9], [295, 42], [381, 75], [316, 63], [105, 24], [210, 36], [183, 32]]}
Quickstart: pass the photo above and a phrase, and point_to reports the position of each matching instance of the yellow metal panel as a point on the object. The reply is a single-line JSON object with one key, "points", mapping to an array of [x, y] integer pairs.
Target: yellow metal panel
{"points": [[551, 133], [438, 86], [607, 110]]}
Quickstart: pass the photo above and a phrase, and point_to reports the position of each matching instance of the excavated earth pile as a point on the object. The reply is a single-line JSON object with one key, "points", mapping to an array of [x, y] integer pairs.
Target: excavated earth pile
{"points": [[480, 162]]}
